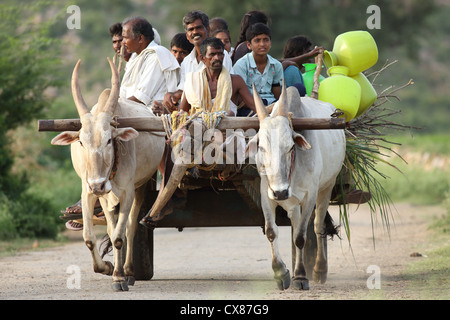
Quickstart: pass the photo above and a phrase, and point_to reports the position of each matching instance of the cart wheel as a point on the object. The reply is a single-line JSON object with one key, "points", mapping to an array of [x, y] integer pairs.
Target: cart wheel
{"points": [[143, 240], [143, 253]]}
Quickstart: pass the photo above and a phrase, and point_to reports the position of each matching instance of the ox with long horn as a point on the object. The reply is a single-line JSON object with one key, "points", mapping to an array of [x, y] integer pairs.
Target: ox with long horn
{"points": [[298, 172], [114, 165]]}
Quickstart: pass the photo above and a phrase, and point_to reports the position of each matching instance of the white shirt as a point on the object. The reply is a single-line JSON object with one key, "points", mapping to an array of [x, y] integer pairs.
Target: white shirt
{"points": [[190, 64], [150, 75]]}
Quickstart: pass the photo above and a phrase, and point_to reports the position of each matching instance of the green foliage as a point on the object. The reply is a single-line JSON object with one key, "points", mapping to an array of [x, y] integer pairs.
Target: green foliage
{"points": [[417, 180], [415, 185], [27, 216], [28, 66]]}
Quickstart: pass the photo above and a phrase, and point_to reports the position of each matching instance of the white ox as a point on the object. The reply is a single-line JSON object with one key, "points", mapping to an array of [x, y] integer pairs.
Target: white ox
{"points": [[114, 165], [297, 172]]}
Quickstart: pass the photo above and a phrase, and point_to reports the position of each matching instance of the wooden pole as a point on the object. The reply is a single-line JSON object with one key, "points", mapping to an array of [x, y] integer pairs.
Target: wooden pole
{"points": [[315, 90], [155, 124]]}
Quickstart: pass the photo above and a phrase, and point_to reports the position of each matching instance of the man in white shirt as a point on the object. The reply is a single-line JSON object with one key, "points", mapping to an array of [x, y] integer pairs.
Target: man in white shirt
{"points": [[196, 25], [152, 70]]}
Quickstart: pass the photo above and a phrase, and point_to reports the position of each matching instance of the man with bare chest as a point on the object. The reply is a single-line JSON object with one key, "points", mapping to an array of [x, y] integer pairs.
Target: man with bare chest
{"points": [[213, 88]]}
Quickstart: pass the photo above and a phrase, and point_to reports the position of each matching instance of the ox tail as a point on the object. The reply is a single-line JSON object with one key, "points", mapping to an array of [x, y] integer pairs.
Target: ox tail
{"points": [[106, 245], [331, 229]]}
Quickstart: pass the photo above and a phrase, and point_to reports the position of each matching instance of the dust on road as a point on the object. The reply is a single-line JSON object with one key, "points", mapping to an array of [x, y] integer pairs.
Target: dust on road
{"points": [[232, 263]]}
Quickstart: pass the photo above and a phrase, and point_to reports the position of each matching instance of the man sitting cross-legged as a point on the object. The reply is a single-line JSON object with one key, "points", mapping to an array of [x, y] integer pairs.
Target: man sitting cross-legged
{"points": [[212, 89]]}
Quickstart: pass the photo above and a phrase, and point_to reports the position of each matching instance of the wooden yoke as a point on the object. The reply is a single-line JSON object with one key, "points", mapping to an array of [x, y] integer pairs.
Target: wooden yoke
{"points": [[155, 124]]}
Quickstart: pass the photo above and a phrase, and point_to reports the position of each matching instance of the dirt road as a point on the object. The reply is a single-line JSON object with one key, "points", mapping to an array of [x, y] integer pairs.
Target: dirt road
{"points": [[231, 263]]}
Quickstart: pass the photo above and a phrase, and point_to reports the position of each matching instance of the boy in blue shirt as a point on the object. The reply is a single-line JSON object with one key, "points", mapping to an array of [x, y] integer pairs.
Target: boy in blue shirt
{"points": [[259, 67]]}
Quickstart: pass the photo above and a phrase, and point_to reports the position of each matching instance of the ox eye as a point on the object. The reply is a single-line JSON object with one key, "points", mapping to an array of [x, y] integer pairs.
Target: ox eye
{"points": [[109, 141], [261, 149], [81, 143]]}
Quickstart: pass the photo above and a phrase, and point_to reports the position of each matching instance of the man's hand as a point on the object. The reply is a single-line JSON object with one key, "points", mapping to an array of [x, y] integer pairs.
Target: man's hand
{"points": [[314, 52], [158, 109], [171, 100]]}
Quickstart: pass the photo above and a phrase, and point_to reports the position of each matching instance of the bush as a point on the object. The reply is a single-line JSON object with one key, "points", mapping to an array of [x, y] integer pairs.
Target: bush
{"points": [[29, 64], [27, 217]]}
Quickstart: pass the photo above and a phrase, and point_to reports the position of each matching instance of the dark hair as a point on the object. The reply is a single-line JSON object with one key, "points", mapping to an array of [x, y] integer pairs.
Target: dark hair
{"points": [[250, 18], [296, 46], [140, 26], [211, 42], [116, 28], [180, 40], [190, 17], [213, 34], [218, 23], [257, 29]]}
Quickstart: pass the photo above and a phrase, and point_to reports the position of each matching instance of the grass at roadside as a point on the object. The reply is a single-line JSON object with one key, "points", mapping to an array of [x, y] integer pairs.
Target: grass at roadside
{"points": [[426, 180], [11, 248], [423, 180], [430, 275]]}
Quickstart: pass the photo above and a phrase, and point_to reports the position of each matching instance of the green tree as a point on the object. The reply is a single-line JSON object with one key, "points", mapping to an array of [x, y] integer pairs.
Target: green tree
{"points": [[28, 66]]}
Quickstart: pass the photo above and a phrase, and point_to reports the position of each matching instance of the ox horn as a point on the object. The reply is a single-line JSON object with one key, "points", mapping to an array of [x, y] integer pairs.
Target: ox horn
{"points": [[175, 177], [282, 102], [76, 92], [115, 89], [260, 108], [280, 107]]}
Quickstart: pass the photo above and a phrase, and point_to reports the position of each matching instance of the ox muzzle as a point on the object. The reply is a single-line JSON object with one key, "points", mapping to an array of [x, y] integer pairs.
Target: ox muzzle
{"points": [[99, 187]]}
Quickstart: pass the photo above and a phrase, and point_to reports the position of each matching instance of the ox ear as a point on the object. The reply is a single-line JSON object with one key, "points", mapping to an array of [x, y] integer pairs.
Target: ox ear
{"points": [[252, 147], [301, 141], [126, 134], [65, 138]]}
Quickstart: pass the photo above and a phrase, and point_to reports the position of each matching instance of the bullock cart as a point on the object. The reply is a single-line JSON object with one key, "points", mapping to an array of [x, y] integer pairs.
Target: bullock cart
{"points": [[211, 200]]}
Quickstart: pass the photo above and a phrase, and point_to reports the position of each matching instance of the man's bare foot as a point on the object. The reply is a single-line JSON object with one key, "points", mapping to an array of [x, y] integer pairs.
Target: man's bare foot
{"points": [[76, 208]]}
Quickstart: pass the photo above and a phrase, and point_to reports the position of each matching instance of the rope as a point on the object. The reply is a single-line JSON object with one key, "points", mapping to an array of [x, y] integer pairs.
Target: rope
{"points": [[176, 125], [290, 116]]}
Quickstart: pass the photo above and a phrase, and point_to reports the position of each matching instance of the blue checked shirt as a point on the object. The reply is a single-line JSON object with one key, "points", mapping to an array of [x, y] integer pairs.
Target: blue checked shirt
{"points": [[272, 76]]}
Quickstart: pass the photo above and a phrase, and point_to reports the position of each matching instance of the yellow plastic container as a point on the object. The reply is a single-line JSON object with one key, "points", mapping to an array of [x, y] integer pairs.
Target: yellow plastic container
{"points": [[368, 93], [330, 59], [308, 77], [355, 50], [341, 91]]}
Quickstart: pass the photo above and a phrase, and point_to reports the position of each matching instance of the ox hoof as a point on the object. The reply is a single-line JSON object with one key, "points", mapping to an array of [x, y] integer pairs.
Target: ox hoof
{"points": [[108, 269], [300, 284], [320, 277], [130, 280], [283, 281], [120, 286]]}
